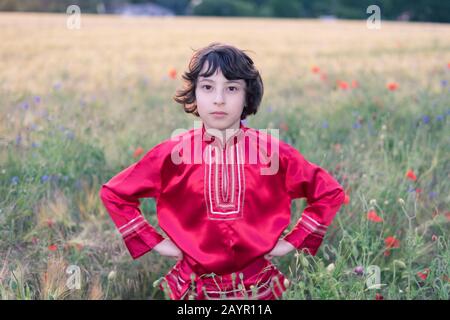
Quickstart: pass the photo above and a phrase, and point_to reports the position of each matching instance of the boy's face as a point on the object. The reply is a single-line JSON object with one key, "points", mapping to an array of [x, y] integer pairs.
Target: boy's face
{"points": [[220, 101]]}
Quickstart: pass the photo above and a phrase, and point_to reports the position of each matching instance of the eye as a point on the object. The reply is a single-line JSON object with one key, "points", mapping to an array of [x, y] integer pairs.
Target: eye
{"points": [[234, 89], [206, 87]]}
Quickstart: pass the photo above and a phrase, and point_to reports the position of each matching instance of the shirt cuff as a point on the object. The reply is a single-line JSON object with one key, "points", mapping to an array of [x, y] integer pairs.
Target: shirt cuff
{"points": [[304, 240], [142, 240]]}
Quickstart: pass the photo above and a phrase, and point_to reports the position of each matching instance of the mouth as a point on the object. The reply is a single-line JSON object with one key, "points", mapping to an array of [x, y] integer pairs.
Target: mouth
{"points": [[219, 114]]}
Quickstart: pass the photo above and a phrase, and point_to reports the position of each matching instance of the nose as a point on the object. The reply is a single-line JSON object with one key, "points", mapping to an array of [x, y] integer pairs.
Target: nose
{"points": [[219, 99]]}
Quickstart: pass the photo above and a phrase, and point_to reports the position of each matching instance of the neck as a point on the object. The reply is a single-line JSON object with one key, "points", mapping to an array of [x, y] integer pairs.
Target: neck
{"points": [[224, 134]]}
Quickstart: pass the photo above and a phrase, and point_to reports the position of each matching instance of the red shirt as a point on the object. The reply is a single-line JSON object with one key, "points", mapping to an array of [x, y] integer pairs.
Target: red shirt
{"points": [[223, 214]]}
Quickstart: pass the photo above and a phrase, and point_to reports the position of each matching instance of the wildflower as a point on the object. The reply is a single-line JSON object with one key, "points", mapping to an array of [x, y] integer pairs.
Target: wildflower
{"points": [[359, 270], [379, 297], [426, 119], [330, 268], [401, 201], [423, 274], [355, 84], [172, 73], [325, 124], [392, 86], [138, 152], [57, 86], [342, 84], [391, 242], [372, 216], [356, 125], [346, 199], [411, 175], [52, 247], [315, 69], [50, 222], [112, 275], [439, 117], [18, 139], [37, 99], [432, 194], [434, 237], [14, 180], [44, 178]]}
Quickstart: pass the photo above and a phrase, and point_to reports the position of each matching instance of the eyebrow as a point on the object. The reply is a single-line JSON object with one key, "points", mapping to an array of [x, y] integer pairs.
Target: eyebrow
{"points": [[209, 80]]}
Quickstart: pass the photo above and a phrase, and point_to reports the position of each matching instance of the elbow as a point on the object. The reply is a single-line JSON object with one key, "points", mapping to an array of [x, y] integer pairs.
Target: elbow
{"points": [[340, 195], [103, 193]]}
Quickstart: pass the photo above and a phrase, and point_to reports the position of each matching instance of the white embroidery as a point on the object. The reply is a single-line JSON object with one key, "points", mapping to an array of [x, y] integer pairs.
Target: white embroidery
{"points": [[129, 223], [134, 228], [226, 202]]}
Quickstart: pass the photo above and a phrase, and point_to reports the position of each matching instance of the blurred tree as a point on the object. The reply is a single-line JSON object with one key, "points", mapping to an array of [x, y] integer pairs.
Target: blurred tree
{"points": [[225, 8]]}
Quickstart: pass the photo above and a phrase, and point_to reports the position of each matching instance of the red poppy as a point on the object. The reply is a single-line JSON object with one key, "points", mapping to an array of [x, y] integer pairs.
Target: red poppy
{"points": [[387, 253], [372, 216], [138, 152], [50, 222], [379, 297], [411, 175], [315, 69], [391, 242], [172, 73], [347, 199], [52, 247], [423, 274], [343, 84], [323, 76], [434, 237], [447, 215], [284, 126], [355, 84], [392, 86]]}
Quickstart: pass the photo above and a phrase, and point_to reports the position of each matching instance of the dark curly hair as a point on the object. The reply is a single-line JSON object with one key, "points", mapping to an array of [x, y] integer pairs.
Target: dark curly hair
{"points": [[234, 64]]}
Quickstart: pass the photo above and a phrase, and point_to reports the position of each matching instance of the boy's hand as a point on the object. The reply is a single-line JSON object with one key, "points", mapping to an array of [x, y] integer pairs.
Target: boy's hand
{"points": [[282, 247], [169, 249]]}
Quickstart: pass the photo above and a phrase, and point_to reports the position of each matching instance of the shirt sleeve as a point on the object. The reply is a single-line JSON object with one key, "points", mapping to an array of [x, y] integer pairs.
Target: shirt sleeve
{"points": [[324, 197], [120, 196]]}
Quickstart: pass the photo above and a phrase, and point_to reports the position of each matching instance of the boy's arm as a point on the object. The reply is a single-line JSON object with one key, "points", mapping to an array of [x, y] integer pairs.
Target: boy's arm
{"points": [[121, 194], [324, 197]]}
